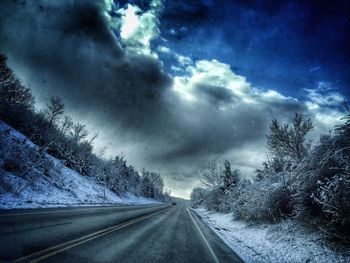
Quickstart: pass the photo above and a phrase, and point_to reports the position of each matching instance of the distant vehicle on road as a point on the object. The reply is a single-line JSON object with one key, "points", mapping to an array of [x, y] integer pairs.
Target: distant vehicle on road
{"points": [[174, 203]]}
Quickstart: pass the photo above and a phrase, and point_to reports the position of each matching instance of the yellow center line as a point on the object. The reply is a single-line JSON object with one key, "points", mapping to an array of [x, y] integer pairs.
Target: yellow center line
{"points": [[49, 252]]}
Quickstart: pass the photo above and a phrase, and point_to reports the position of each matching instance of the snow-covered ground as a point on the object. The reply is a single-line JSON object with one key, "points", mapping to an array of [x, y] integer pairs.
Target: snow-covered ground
{"points": [[283, 242], [59, 186]]}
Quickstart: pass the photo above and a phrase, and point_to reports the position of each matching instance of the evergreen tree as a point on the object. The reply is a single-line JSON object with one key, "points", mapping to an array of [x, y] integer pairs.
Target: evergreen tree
{"points": [[230, 178]]}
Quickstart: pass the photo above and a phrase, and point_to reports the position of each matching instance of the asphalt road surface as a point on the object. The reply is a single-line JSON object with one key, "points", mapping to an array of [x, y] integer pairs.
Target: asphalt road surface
{"points": [[147, 233]]}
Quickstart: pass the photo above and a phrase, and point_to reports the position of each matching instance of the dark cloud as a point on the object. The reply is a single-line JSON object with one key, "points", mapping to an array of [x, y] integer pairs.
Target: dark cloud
{"points": [[73, 53], [215, 94]]}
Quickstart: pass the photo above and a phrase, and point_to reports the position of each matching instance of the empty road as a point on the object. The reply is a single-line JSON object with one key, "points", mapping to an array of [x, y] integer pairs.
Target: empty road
{"points": [[145, 233]]}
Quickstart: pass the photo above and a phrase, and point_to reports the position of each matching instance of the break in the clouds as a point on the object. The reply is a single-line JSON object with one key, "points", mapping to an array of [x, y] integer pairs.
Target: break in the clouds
{"points": [[128, 70], [135, 27]]}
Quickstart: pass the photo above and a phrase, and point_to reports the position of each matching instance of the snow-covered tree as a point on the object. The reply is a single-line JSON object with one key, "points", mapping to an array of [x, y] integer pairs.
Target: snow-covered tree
{"points": [[198, 195], [334, 198], [16, 101], [54, 110], [147, 188], [229, 178], [289, 141], [211, 175]]}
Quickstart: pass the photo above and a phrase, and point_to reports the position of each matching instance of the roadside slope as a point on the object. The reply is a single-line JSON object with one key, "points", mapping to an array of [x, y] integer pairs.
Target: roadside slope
{"points": [[31, 178]]}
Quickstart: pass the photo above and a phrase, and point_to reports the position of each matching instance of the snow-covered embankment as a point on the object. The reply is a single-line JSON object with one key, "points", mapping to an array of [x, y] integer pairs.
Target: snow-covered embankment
{"points": [[30, 178], [284, 242]]}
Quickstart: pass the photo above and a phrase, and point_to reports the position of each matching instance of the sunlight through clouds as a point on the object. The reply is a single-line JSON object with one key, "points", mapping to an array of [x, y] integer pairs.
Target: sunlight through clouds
{"points": [[212, 74], [138, 28]]}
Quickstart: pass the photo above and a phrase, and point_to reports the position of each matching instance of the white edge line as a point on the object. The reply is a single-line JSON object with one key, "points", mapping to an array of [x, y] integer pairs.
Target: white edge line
{"points": [[205, 240], [226, 241]]}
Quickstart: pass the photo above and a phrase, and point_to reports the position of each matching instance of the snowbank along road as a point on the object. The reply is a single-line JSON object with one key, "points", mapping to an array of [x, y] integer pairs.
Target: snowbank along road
{"points": [[144, 233]]}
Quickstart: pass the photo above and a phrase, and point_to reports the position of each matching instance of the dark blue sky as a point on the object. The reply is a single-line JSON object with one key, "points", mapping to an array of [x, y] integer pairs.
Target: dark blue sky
{"points": [[281, 45]]}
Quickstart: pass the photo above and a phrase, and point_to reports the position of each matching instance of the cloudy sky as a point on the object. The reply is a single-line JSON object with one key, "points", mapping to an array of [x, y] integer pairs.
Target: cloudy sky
{"points": [[171, 85]]}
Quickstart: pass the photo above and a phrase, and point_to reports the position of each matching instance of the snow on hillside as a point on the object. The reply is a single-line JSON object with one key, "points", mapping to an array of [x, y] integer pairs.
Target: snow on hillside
{"points": [[285, 242], [30, 178]]}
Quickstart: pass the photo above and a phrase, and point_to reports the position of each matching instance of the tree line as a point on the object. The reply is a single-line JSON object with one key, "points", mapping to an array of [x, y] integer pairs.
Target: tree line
{"points": [[69, 141], [298, 182]]}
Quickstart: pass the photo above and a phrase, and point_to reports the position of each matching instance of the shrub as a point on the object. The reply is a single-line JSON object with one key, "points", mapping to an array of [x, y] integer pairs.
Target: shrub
{"points": [[280, 203], [214, 199], [15, 159], [333, 196], [250, 206]]}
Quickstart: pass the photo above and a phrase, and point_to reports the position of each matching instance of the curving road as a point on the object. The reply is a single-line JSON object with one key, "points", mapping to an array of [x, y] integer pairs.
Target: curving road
{"points": [[147, 233]]}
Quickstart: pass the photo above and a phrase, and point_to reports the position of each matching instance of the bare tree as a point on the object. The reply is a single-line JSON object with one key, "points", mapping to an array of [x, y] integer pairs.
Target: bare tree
{"points": [[211, 175], [287, 140], [79, 132], [67, 124], [93, 138], [54, 109]]}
